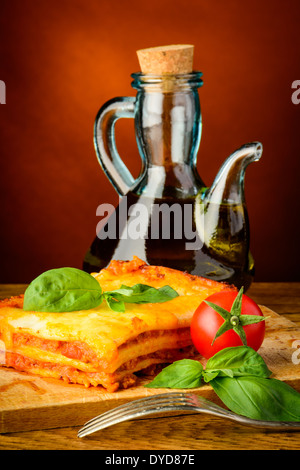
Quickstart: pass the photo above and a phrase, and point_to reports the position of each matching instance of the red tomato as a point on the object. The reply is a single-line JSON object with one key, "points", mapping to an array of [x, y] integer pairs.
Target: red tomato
{"points": [[206, 322]]}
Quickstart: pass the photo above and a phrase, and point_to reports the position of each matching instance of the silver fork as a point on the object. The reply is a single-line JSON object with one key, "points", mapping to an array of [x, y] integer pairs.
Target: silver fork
{"points": [[177, 401]]}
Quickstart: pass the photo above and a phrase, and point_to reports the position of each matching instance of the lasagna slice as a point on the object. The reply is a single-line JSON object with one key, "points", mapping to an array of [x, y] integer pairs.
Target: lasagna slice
{"points": [[100, 346]]}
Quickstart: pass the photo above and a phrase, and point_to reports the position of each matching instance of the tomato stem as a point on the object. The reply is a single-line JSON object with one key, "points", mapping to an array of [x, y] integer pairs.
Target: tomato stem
{"points": [[234, 319]]}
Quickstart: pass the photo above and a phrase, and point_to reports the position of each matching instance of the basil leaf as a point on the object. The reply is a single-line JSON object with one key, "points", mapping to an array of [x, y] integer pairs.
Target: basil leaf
{"points": [[115, 305], [236, 361], [209, 375], [63, 290], [259, 398], [141, 293], [185, 373], [70, 289]]}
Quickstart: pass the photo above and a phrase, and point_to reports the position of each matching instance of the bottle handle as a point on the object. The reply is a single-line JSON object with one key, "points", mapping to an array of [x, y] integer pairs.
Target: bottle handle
{"points": [[105, 144]]}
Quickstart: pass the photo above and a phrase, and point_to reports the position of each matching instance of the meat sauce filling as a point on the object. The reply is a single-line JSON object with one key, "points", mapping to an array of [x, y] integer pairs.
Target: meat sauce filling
{"points": [[81, 351], [73, 350], [119, 379]]}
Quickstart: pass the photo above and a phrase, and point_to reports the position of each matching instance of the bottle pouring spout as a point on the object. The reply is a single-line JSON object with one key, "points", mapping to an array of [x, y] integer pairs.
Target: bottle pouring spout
{"points": [[222, 220], [228, 185]]}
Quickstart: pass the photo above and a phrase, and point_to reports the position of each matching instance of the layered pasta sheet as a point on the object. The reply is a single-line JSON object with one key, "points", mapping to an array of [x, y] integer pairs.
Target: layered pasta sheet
{"points": [[99, 346]]}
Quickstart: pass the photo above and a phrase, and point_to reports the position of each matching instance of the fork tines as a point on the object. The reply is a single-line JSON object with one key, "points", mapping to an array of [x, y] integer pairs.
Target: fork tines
{"points": [[138, 408]]}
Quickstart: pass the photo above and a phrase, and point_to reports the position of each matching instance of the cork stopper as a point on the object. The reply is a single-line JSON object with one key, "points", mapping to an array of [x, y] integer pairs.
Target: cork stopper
{"points": [[173, 59]]}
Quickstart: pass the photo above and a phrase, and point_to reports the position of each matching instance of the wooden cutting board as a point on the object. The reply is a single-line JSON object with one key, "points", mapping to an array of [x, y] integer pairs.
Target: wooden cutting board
{"points": [[28, 402]]}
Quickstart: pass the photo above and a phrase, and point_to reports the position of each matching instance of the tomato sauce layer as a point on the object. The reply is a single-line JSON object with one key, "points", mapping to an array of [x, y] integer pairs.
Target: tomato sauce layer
{"points": [[73, 350]]}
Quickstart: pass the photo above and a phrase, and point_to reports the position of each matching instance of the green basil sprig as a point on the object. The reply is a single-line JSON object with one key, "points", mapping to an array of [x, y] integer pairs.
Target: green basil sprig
{"points": [[229, 362], [185, 373], [235, 362], [259, 398], [70, 289], [241, 379], [138, 294]]}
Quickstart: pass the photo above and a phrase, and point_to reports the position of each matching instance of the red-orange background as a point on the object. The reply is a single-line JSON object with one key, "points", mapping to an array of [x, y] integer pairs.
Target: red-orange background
{"points": [[61, 60]]}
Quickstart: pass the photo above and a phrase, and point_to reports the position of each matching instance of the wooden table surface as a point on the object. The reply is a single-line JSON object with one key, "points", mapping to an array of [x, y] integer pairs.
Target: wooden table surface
{"points": [[179, 432]]}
